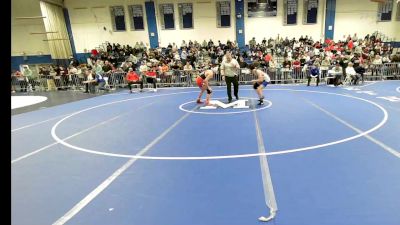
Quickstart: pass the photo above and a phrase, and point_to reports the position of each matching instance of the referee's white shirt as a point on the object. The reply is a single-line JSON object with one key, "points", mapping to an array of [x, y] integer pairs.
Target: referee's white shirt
{"points": [[231, 68]]}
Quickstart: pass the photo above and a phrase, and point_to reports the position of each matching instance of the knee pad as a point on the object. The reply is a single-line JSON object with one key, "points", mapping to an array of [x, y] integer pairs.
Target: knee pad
{"points": [[209, 91], [255, 86]]}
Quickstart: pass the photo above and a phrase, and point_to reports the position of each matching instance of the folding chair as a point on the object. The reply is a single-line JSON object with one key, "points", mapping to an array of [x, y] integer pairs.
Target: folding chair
{"points": [[347, 80]]}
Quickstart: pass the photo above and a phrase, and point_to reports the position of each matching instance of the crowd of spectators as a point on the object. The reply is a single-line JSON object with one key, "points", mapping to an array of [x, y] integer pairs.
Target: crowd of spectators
{"points": [[361, 53]]}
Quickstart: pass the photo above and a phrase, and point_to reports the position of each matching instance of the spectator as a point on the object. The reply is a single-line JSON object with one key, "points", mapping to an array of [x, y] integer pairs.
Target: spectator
{"points": [[188, 67], [29, 78], [286, 66], [133, 78], [183, 45], [73, 61], [100, 81], [21, 80], [88, 80], [351, 74], [360, 69], [337, 73], [151, 77], [98, 68], [107, 68], [376, 65], [314, 73]]}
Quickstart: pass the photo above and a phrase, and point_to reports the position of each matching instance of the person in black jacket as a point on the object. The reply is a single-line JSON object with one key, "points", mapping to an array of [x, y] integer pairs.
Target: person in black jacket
{"points": [[241, 62], [73, 61], [360, 69]]}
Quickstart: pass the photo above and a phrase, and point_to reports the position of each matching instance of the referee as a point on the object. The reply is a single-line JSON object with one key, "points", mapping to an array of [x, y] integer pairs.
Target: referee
{"points": [[229, 72]]}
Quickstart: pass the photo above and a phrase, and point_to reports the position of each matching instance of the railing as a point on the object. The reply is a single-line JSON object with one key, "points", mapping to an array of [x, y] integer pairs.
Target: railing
{"points": [[186, 78], [391, 70]]}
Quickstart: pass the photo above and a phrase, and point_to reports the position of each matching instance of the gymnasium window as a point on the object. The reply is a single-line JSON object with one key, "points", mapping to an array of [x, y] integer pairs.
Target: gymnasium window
{"points": [[223, 14], [136, 16], [118, 18], [311, 12], [290, 11], [185, 15], [398, 11], [385, 11], [167, 16]]}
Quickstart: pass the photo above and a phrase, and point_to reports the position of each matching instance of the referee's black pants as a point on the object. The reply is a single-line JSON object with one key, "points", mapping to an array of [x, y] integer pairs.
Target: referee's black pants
{"points": [[229, 81]]}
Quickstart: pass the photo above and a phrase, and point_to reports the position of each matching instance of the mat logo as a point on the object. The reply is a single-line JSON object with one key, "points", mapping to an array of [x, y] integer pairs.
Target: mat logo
{"points": [[391, 98], [239, 104]]}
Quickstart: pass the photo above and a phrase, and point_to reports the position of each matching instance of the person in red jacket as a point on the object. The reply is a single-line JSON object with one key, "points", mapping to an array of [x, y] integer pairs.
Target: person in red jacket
{"points": [[133, 78], [94, 52], [151, 77], [350, 45], [267, 58]]}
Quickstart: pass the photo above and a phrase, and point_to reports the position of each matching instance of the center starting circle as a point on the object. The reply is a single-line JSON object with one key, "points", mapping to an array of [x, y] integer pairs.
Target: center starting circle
{"points": [[60, 141]]}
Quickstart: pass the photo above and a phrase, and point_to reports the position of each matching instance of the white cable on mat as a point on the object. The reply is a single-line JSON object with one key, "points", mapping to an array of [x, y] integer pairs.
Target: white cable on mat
{"points": [[266, 176]]}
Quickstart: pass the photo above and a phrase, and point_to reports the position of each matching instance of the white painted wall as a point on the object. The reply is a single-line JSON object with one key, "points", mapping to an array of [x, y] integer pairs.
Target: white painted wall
{"points": [[88, 17], [204, 24], [21, 39], [352, 16], [360, 16], [272, 26]]}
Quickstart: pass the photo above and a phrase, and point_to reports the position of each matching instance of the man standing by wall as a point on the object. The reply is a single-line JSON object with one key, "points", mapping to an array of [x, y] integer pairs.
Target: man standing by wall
{"points": [[229, 72]]}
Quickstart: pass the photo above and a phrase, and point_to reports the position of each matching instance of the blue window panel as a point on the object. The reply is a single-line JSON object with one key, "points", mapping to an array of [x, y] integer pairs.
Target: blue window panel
{"points": [[312, 11], [187, 20], [312, 15], [138, 23], [169, 21], [291, 12], [225, 20], [120, 23], [292, 19], [385, 11]]}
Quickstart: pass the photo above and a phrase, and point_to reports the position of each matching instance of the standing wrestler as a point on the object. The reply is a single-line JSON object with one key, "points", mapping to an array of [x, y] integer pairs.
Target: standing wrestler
{"points": [[262, 81], [202, 82]]}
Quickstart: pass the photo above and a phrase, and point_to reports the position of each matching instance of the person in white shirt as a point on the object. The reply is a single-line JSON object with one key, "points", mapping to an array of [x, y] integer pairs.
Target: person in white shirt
{"points": [[183, 45], [355, 37], [325, 66], [351, 74], [187, 72], [385, 59], [377, 65], [137, 46], [89, 79], [296, 44], [174, 47], [72, 70], [142, 46], [187, 67], [133, 59], [204, 44], [316, 52], [177, 57], [184, 55], [143, 68], [89, 62], [229, 71], [337, 73]]}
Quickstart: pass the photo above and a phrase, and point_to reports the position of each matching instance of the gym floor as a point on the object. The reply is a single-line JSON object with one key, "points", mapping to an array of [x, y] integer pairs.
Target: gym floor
{"points": [[318, 155]]}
